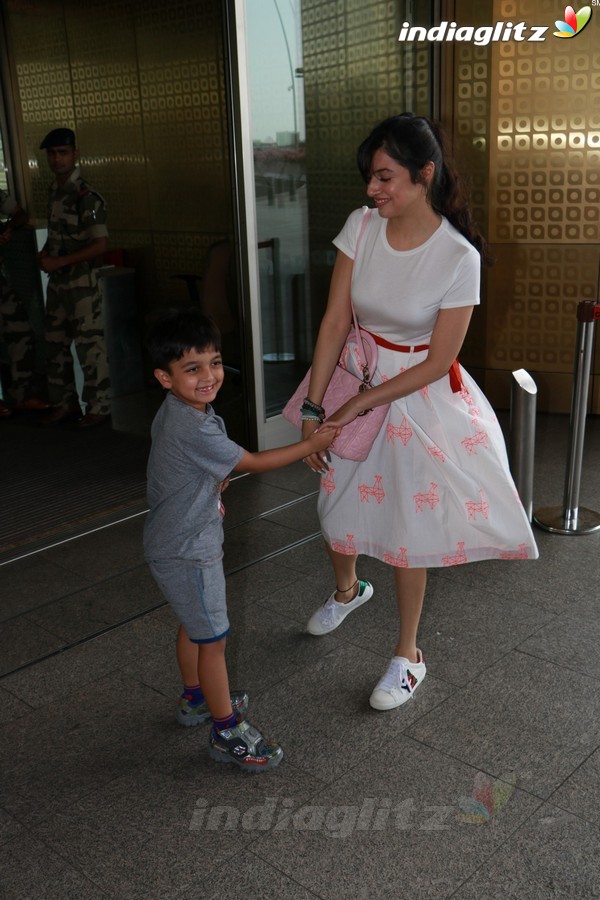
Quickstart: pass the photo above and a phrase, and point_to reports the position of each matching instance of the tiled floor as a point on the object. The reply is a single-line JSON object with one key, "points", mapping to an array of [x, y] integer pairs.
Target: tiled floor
{"points": [[485, 786]]}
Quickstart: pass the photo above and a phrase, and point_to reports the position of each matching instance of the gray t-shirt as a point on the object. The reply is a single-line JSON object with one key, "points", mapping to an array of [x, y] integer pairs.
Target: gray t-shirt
{"points": [[190, 456]]}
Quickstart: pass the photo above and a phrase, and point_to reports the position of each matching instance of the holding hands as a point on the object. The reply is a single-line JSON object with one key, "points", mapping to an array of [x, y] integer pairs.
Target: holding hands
{"points": [[346, 413], [318, 438]]}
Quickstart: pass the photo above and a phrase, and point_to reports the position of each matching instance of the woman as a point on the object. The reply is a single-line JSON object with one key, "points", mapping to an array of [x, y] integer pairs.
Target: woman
{"points": [[435, 489]]}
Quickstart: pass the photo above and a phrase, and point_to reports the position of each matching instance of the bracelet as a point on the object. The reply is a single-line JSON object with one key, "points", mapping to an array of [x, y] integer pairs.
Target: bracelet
{"points": [[314, 407], [309, 415]]}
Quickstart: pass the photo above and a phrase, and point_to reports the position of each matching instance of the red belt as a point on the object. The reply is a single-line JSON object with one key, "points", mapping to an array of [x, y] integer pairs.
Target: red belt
{"points": [[453, 373]]}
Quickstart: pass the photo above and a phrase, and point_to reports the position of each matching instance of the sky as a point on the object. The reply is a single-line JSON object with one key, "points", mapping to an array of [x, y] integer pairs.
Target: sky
{"points": [[271, 77]]}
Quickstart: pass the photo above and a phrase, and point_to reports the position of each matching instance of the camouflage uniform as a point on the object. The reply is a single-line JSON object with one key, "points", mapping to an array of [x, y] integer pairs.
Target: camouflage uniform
{"points": [[15, 330], [76, 216]]}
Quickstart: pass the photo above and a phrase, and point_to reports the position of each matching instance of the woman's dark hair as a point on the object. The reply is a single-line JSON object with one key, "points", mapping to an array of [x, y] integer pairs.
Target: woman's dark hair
{"points": [[413, 141], [179, 332]]}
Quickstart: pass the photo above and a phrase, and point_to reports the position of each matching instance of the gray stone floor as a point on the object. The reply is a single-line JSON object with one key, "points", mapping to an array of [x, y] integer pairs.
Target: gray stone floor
{"points": [[485, 785]]}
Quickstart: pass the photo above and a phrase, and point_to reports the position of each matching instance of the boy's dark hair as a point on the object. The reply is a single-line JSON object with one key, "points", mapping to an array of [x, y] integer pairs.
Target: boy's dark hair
{"points": [[179, 332]]}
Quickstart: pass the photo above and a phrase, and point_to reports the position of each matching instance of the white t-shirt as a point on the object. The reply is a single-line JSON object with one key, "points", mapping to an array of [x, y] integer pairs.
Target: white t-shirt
{"points": [[398, 293]]}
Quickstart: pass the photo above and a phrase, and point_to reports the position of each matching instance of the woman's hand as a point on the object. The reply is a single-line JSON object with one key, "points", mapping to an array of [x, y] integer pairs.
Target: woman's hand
{"points": [[346, 413]]}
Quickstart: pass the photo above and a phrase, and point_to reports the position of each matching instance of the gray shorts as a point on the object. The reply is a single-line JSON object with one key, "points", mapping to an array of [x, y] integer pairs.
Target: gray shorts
{"points": [[196, 594]]}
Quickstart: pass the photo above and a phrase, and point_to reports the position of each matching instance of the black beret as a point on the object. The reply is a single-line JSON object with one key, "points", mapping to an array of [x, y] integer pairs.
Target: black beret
{"points": [[59, 137]]}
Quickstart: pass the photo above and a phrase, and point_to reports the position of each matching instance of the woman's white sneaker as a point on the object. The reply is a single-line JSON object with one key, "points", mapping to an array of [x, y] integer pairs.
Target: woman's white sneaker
{"points": [[399, 682], [332, 613]]}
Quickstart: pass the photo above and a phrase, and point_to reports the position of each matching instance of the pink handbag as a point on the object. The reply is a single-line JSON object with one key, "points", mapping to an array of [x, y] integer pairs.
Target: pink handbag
{"points": [[355, 439], [352, 374]]}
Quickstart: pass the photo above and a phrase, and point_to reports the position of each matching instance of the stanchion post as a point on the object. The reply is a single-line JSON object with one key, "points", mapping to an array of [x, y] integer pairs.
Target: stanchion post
{"points": [[571, 518], [523, 401]]}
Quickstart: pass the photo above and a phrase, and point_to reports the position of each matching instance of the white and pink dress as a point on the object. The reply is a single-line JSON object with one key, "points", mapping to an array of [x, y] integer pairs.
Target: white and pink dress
{"points": [[436, 489]]}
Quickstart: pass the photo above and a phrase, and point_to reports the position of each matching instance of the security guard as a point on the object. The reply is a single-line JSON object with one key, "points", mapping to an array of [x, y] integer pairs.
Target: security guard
{"points": [[77, 238]]}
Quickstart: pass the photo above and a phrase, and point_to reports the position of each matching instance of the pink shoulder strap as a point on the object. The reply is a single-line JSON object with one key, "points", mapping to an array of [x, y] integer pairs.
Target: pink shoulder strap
{"points": [[367, 214]]}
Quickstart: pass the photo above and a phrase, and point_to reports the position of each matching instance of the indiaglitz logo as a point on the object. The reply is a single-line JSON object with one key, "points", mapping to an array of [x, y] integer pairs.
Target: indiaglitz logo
{"points": [[482, 35], [574, 22], [487, 799]]}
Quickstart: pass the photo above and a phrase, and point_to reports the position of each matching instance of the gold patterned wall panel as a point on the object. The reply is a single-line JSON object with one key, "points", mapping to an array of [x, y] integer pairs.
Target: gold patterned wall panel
{"points": [[536, 288], [541, 173], [142, 83], [41, 61], [545, 159], [107, 107], [180, 53], [471, 127], [469, 113], [532, 317], [355, 74]]}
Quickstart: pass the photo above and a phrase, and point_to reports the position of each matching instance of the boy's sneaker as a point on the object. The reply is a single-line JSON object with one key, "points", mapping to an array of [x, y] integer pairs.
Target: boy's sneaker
{"points": [[399, 682], [200, 714], [332, 613], [244, 746]]}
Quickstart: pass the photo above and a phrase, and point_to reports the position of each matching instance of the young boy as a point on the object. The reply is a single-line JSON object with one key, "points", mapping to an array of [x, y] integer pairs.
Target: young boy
{"points": [[190, 461]]}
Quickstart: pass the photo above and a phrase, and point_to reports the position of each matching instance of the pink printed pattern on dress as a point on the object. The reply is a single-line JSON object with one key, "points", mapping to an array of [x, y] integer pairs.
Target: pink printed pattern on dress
{"points": [[466, 396], [479, 439], [365, 491], [400, 561], [520, 553], [402, 431], [473, 507], [343, 360], [458, 558], [346, 547], [328, 482], [429, 498], [437, 452]]}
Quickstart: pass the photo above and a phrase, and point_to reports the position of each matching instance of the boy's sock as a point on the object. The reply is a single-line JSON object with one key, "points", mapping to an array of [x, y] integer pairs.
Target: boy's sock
{"points": [[193, 694], [227, 722]]}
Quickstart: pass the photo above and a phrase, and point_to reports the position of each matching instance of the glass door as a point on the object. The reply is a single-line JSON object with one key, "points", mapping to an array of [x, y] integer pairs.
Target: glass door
{"points": [[317, 76], [272, 138]]}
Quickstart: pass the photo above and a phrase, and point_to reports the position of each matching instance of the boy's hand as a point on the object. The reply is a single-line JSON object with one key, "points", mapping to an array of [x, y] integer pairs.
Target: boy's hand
{"points": [[319, 440], [225, 483], [323, 437]]}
